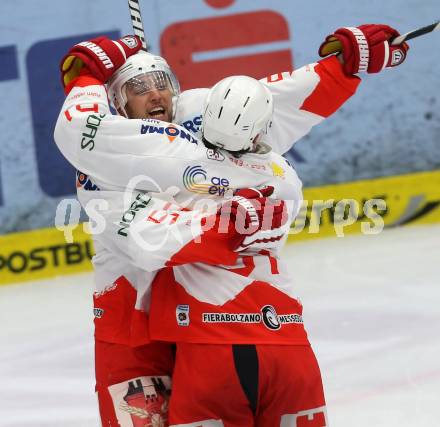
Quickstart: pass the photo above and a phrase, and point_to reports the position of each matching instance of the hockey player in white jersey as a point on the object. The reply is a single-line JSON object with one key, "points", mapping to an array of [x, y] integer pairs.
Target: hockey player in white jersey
{"points": [[122, 224], [91, 143], [105, 143]]}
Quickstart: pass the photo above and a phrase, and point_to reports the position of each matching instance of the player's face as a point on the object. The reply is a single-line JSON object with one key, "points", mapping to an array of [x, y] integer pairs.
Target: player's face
{"points": [[149, 97]]}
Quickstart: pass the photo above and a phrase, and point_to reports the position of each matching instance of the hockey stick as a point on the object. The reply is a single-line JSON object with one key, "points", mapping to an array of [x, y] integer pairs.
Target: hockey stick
{"points": [[416, 33], [136, 21]]}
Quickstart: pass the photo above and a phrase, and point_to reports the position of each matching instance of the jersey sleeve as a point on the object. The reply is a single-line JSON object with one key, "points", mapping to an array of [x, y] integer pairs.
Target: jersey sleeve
{"points": [[304, 98], [152, 232]]}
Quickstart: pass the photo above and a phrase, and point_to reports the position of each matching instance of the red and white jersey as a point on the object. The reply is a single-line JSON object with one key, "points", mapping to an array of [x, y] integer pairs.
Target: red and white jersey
{"points": [[143, 234], [167, 159], [252, 302]]}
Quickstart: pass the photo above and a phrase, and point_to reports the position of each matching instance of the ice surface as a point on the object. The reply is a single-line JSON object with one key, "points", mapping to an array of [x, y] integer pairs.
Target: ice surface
{"points": [[371, 306]]}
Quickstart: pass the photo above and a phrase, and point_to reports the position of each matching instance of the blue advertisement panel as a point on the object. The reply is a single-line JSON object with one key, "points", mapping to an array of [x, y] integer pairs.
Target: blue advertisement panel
{"points": [[391, 126]]}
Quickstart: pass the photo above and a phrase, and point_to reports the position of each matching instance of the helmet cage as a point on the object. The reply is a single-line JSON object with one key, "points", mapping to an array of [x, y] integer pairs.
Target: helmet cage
{"points": [[138, 65]]}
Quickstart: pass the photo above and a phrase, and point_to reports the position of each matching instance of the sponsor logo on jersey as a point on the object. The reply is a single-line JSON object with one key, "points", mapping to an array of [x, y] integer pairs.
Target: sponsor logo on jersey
{"points": [[182, 315], [195, 179], [213, 154], [277, 170], [268, 316], [83, 181], [171, 131], [78, 95], [106, 290], [92, 125], [193, 125], [138, 204], [231, 318], [244, 164]]}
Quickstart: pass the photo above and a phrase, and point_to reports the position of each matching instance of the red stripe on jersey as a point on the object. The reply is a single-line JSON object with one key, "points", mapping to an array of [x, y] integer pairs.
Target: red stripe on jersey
{"points": [[273, 261], [83, 80], [116, 319], [328, 97]]}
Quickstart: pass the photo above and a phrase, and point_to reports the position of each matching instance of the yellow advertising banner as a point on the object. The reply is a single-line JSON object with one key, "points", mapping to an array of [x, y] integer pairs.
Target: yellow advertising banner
{"points": [[368, 206], [334, 210], [44, 253]]}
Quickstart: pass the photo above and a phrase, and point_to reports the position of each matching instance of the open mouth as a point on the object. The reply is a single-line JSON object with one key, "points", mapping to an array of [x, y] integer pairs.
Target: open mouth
{"points": [[157, 113]]}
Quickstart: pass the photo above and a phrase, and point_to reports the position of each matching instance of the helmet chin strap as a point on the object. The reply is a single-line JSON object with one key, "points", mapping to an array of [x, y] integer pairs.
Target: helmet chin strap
{"points": [[119, 108], [236, 154], [122, 112], [256, 141], [174, 101]]}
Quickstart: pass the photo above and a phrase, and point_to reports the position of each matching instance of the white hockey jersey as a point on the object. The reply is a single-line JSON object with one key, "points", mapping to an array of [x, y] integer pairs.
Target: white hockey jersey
{"points": [[110, 151]]}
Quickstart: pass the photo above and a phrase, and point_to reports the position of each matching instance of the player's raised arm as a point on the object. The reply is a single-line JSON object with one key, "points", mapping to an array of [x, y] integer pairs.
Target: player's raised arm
{"points": [[367, 48], [106, 146], [305, 97]]}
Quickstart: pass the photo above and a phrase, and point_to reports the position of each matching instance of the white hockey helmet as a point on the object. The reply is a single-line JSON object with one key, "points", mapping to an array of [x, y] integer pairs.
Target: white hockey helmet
{"points": [[237, 109], [141, 63]]}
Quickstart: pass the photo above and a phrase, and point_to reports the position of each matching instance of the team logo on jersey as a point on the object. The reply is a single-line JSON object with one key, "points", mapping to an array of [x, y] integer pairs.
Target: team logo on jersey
{"points": [[182, 315], [216, 155], [277, 170], [195, 179]]}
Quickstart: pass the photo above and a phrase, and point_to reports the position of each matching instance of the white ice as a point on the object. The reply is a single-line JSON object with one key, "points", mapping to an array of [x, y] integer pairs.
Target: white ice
{"points": [[372, 309]]}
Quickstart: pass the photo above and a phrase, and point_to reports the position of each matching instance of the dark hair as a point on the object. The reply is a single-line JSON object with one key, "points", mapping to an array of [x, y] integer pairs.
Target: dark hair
{"points": [[211, 146], [208, 144]]}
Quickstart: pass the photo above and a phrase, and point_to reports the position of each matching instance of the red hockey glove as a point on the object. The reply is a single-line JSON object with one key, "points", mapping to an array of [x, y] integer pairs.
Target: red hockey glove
{"points": [[365, 48], [249, 212], [101, 56]]}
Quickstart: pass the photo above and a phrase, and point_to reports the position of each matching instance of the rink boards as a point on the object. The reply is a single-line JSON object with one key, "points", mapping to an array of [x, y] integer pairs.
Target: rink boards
{"points": [[335, 210]]}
